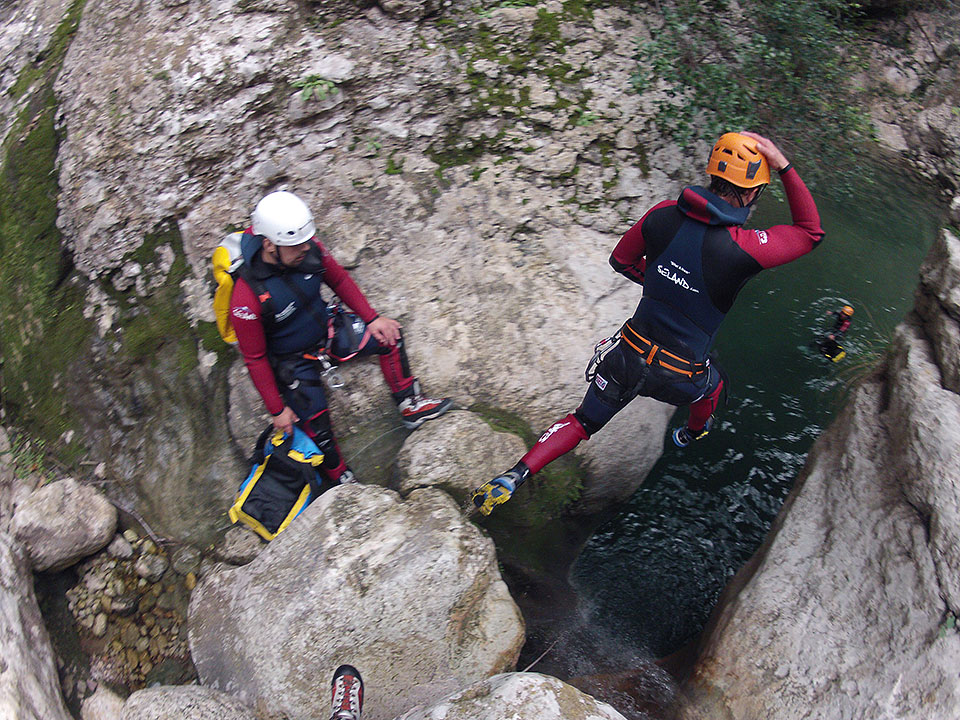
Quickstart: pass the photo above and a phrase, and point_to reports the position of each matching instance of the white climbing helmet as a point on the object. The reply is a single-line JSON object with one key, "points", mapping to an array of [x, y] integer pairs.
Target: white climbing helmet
{"points": [[284, 219]]}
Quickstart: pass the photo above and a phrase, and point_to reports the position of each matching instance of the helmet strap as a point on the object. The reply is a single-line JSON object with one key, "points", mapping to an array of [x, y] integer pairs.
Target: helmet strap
{"points": [[756, 197]]}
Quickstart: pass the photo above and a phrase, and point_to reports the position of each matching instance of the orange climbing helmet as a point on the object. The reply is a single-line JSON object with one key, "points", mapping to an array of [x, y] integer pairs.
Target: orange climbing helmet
{"points": [[847, 310], [735, 159]]}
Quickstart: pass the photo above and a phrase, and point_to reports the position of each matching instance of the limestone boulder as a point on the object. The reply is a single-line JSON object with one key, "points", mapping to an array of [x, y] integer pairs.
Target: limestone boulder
{"points": [[406, 590], [63, 522], [530, 696], [29, 684], [848, 611], [456, 454], [104, 704], [187, 702], [938, 304]]}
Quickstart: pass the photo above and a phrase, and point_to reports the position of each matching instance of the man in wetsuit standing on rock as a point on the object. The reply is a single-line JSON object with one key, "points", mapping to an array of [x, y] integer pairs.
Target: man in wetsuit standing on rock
{"points": [[698, 257], [282, 325]]}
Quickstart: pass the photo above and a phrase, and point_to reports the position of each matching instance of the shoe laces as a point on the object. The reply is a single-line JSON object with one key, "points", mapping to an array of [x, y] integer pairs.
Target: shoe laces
{"points": [[346, 684]]}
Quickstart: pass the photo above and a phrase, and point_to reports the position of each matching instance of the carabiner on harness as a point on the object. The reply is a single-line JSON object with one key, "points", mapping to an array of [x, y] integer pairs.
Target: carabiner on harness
{"points": [[328, 372], [600, 351]]}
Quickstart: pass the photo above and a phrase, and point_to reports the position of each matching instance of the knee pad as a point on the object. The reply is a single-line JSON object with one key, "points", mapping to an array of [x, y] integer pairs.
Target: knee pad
{"points": [[595, 412], [589, 426]]}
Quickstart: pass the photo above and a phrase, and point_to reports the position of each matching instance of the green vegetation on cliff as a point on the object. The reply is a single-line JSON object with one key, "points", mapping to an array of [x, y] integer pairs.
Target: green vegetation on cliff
{"points": [[42, 328], [48, 339], [786, 69]]}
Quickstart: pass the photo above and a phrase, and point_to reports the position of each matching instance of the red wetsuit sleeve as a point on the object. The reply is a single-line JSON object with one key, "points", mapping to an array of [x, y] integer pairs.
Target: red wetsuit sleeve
{"points": [[245, 313], [627, 257], [783, 243], [346, 289]]}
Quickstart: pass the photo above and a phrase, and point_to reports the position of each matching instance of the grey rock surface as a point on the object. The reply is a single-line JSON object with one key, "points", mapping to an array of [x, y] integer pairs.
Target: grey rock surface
{"points": [[187, 702], [406, 590], [938, 304], [239, 546], [530, 696], [63, 522], [29, 684], [456, 455], [849, 610], [25, 29], [103, 704]]}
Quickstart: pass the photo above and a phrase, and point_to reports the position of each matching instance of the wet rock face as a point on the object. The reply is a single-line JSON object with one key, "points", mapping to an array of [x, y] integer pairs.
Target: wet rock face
{"points": [[397, 588], [916, 74], [29, 685]]}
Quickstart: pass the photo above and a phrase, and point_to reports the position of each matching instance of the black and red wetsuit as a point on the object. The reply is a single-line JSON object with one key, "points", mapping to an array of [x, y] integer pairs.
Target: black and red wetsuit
{"points": [[693, 257], [841, 324], [273, 346]]}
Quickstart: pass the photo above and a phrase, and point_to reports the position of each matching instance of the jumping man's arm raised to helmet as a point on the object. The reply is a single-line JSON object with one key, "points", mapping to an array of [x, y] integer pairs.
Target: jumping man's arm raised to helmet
{"points": [[783, 243]]}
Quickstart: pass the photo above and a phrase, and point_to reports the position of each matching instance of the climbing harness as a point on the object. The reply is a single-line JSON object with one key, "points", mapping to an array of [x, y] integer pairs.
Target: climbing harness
{"points": [[651, 352]]}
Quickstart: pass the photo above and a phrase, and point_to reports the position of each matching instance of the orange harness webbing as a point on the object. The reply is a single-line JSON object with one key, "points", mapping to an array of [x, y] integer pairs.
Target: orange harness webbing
{"points": [[651, 352]]}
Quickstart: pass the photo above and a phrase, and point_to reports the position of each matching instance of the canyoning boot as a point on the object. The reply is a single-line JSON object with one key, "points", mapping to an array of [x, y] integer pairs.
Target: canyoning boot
{"points": [[500, 489], [347, 476], [347, 691], [417, 408], [683, 436]]}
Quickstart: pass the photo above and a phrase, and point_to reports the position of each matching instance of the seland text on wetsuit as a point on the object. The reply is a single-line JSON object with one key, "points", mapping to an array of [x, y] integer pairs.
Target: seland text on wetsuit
{"points": [[273, 347], [693, 257]]}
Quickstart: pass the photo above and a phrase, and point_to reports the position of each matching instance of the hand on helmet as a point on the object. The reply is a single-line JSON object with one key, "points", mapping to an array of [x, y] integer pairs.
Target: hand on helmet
{"points": [[766, 147]]}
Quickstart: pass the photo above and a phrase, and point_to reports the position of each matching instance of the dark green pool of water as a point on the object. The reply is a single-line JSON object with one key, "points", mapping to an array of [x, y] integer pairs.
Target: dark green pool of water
{"points": [[649, 576]]}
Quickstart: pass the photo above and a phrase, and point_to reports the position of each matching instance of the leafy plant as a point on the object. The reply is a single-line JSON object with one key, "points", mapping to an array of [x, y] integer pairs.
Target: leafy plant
{"points": [[781, 68], [586, 118], [315, 86]]}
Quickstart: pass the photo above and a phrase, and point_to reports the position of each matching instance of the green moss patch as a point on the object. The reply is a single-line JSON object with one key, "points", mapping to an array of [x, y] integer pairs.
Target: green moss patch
{"points": [[545, 496], [42, 328]]}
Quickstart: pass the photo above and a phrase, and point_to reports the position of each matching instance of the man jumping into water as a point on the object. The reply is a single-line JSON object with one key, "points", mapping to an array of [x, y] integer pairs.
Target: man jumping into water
{"points": [[699, 258]]}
